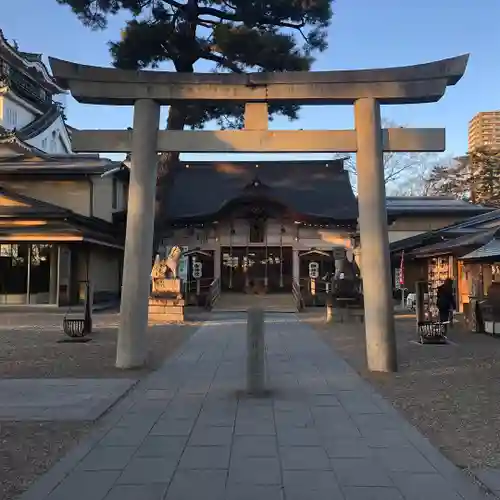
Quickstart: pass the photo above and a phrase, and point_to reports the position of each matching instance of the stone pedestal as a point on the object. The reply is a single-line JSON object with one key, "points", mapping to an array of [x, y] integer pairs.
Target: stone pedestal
{"points": [[166, 304]]}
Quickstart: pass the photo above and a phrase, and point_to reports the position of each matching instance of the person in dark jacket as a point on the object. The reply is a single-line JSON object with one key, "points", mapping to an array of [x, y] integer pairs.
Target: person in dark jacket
{"points": [[445, 300]]}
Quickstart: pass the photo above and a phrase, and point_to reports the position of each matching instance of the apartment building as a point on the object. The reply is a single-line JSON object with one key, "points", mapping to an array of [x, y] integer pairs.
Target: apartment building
{"points": [[484, 130]]}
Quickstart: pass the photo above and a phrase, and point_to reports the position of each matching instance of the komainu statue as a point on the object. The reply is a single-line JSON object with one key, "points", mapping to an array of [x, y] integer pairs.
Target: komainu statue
{"points": [[172, 262], [166, 303], [169, 267], [159, 269]]}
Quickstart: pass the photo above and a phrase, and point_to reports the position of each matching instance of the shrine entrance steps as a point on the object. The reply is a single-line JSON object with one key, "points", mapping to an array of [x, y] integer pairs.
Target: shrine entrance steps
{"points": [[241, 302]]}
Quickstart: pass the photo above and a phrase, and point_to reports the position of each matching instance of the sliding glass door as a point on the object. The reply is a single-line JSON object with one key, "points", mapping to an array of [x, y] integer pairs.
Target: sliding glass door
{"points": [[28, 273]]}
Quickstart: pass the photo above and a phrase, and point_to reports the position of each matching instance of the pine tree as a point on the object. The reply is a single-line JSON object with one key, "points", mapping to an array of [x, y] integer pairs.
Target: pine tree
{"points": [[474, 177], [484, 177], [234, 35], [451, 179]]}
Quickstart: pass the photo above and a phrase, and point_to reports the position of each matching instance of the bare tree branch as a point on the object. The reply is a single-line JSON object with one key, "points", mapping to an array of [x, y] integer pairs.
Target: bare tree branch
{"points": [[403, 172]]}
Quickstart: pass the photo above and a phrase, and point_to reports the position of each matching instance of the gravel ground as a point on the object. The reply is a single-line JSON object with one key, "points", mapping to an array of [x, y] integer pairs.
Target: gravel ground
{"points": [[30, 351], [451, 393], [28, 449]]}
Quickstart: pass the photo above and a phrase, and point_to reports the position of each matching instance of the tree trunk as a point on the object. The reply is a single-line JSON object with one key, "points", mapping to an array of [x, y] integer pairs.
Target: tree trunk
{"points": [[168, 166]]}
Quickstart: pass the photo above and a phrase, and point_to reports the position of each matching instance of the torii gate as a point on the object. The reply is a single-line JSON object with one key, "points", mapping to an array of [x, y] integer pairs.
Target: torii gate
{"points": [[365, 89]]}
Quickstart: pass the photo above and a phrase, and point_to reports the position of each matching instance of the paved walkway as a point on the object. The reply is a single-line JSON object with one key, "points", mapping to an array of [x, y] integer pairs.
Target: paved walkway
{"points": [[241, 302], [186, 433], [59, 399]]}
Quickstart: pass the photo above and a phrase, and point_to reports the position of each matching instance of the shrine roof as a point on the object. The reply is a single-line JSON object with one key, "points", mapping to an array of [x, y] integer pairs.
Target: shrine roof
{"points": [[319, 189], [419, 205], [489, 251], [29, 63], [457, 246], [39, 163]]}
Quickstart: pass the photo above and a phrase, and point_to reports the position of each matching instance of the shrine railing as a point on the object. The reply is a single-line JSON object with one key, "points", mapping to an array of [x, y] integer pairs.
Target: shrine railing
{"points": [[213, 293], [297, 295]]}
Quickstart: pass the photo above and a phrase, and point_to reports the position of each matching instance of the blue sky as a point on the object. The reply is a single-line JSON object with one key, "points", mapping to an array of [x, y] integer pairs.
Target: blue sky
{"points": [[363, 34]]}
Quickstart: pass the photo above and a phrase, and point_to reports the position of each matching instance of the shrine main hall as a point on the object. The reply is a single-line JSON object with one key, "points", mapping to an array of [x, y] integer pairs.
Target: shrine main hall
{"points": [[259, 226]]}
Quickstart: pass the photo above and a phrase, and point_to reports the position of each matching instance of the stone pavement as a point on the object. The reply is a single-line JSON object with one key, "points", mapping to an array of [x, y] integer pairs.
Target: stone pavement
{"points": [[187, 432], [241, 302], [59, 399]]}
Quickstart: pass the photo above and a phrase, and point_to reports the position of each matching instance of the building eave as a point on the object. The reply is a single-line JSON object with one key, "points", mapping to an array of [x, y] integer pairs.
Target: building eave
{"points": [[18, 146], [37, 66]]}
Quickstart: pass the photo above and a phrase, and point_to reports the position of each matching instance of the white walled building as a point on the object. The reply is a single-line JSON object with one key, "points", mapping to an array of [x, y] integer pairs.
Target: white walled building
{"points": [[30, 119], [56, 208]]}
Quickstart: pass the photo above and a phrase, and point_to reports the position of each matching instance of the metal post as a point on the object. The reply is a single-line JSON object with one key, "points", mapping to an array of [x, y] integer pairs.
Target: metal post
{"points": [[266, 279], [87, 319], [58, 291], [420, 291], [281, 255], [231, 255], [28, 276]]}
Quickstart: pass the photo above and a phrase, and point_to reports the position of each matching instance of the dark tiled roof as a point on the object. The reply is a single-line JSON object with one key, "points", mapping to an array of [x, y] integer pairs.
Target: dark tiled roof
{"points": [[305, 187], [457, 229], [32, 206], [467, 242], [29, 62], [470, 224], [489, 251], [58, 219], [36, 127], [57, 165], [409, 205], [12, 139]]}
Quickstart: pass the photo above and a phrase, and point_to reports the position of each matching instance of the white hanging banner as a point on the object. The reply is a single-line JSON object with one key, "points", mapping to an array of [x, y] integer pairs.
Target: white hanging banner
{"points": [[197, 270], [313, 270]]}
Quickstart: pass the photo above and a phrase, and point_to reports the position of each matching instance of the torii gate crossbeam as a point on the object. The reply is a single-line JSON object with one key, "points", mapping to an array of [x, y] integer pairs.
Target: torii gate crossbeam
{"points": [[365, 89]]}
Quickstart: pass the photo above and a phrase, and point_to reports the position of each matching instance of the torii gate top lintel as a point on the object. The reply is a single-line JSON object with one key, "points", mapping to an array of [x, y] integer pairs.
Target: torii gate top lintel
{"points": [[399, 85]]}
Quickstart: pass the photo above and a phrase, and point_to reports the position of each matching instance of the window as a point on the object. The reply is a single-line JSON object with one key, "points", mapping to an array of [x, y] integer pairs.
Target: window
{"points": [[11, 117], [114, 194], [44, 144], [28, 273]]}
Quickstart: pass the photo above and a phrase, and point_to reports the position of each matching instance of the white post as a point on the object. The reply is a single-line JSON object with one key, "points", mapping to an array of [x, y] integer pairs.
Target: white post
{"points": [[131, 349], [376, 269]]}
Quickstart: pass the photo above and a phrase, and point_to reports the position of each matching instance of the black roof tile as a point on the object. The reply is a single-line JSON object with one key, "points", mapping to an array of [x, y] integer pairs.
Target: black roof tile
{"points": [[315, 188]]}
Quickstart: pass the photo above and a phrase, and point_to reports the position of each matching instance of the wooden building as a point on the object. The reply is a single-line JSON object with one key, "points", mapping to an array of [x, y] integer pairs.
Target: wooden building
{"points": [[57, 230], [259, 227], [465, 252]]}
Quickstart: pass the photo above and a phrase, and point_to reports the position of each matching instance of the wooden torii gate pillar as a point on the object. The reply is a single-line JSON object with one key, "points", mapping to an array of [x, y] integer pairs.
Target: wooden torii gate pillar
{"points": [[365, 89]]}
